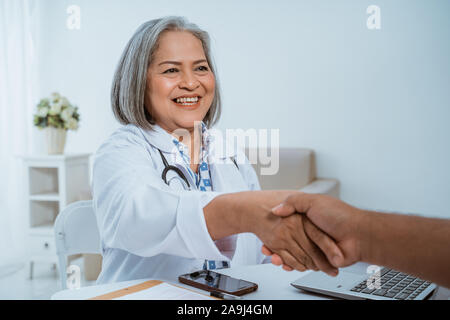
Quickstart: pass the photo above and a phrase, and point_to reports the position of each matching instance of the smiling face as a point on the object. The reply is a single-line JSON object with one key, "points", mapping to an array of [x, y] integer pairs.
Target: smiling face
{"points": [[180, 83]]}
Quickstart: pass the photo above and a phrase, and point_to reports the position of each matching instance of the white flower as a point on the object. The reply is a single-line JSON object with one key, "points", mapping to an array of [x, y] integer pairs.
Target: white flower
{"points": [[72, 124], [55, 108], [42, 112], [55, 96], [65, 102], [44, 102], [67, 113]]}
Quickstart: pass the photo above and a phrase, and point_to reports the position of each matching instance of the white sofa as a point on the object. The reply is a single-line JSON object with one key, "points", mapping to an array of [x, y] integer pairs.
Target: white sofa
{"points": [[297, 171]]}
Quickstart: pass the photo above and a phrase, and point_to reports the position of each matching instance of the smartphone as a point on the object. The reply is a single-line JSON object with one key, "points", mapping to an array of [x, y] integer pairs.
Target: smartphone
{"points": [[213, 281]]}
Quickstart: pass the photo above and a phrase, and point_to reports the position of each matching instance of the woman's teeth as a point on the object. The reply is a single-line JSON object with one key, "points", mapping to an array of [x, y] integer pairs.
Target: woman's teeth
{"points": [[187, 101]]}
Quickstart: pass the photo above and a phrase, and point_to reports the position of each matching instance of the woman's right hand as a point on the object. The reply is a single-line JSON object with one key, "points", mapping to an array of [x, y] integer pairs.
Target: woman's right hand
{"points": [[331, 215], [250, 211], [286, 237]]}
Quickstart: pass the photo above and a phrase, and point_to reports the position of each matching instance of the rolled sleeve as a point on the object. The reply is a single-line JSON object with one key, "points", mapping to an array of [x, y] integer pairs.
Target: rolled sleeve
{"points": [[192, 225]]}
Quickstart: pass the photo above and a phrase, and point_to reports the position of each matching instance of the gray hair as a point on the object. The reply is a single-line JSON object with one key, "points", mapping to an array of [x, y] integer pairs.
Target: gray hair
{"points": [[130, 79]]}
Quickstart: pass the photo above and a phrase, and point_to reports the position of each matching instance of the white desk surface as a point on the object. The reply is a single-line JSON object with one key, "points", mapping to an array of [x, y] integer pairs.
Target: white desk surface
{"points": [[273, 284]]}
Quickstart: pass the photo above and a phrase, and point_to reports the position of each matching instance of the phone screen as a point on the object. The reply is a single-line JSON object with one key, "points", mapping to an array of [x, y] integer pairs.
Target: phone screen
{"points": [[217, 281]]}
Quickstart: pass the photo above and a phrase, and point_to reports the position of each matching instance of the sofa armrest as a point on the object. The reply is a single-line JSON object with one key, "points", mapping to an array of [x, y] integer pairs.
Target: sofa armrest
{"points": [[323, 186]]}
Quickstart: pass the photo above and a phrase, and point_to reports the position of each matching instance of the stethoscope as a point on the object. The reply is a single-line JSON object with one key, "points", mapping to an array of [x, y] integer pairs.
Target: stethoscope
{"points": [[179, 174]]}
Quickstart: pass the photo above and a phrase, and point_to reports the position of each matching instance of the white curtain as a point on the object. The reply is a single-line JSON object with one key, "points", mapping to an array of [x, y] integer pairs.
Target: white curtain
{"points": [[18, 80]]}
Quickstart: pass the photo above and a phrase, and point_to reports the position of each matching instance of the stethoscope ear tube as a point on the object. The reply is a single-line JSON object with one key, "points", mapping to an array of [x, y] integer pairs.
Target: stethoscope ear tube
{"points": [[170, 167], [179, 173]]}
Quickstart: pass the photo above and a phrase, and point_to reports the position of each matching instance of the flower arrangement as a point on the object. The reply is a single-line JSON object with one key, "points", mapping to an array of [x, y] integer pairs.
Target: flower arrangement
{"points": [[56, 112]]}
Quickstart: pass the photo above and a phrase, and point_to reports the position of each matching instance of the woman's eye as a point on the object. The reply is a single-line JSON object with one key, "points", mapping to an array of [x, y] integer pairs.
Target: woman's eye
{"points": [[203, 68], [171, 70]]}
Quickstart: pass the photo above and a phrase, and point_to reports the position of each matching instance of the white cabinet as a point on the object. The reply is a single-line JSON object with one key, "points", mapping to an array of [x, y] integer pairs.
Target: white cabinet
{"points": [[51, 183]]}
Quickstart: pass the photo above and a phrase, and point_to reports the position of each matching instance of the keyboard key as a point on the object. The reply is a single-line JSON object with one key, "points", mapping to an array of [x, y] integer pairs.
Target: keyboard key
{"points": [[380, 292], [401, 296], [362, 285], [390, 294], [392, 274], [368, 291], [356, 289], [409, 291]]}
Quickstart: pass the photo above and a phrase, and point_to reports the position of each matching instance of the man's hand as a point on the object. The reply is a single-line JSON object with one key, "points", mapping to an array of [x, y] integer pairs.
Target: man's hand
{"points": [[286, 237], [333, 217]]}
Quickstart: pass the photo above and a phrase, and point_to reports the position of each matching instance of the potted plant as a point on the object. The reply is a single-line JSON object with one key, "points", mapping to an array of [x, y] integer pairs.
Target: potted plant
{"points": [[56, 115]]}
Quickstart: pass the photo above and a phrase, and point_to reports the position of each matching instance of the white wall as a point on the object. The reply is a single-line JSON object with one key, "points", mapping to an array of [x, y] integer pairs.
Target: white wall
{"points": [[374, 105]]}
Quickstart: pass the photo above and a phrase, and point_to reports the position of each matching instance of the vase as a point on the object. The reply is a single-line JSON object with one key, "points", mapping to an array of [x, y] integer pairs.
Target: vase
{"points": [[56, 140]]}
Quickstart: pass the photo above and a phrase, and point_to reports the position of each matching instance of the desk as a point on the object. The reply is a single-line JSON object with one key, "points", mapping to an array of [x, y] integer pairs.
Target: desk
{"points": [[273, 284]]}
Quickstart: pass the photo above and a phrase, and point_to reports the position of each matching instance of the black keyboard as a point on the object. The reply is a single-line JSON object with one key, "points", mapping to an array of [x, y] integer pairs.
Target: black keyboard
{"points": [[396, 285]]}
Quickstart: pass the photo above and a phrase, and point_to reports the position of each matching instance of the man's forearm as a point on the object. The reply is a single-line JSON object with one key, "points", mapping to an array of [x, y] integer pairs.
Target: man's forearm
{"points": [[416, 245]]}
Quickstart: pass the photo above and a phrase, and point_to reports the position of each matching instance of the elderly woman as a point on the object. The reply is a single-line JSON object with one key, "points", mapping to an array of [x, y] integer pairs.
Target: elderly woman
{"points": [[169, 203]]}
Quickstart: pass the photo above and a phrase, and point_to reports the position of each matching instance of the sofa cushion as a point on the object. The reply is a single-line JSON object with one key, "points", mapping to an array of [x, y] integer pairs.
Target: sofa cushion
{"points": [[295, 170]]}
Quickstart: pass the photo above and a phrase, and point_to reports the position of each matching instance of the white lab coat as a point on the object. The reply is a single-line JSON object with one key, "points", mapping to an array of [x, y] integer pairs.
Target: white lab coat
{"points": [[148, 229]]}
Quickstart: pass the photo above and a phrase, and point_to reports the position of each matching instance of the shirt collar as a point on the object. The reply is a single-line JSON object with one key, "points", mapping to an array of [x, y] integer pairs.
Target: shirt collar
{"points": [[161, 139]]}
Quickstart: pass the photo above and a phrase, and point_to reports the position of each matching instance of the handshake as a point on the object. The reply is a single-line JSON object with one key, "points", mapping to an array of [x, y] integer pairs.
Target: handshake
{"points": [[314, 232]]}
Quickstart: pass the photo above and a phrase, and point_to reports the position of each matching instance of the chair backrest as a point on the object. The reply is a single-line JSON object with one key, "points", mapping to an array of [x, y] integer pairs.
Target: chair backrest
{"points": [[76, 232]]}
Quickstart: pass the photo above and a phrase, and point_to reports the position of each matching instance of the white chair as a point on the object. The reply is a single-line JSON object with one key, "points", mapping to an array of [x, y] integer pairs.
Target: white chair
{"points": [[76, 232]]}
